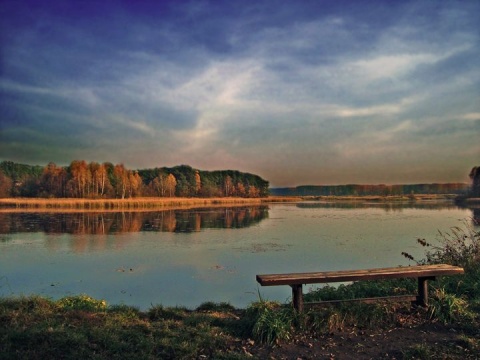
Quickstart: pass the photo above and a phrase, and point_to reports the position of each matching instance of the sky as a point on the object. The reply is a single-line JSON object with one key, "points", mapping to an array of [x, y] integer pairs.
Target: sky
{"points": [[298, 92]]}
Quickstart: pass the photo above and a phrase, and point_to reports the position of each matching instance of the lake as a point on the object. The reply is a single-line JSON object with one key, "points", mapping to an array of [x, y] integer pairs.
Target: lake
{"points": [[187, 257]]}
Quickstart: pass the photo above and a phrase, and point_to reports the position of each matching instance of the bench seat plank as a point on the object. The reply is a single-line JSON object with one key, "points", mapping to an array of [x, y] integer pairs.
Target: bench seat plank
{"points": [[421, 271]]}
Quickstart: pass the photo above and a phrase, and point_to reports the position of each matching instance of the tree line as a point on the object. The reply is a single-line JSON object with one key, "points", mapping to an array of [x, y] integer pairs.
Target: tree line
{"points": [[94, 180], [374, 190]]}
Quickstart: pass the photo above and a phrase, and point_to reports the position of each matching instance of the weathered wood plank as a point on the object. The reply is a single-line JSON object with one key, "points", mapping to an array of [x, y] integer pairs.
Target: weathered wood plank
{"points": [[354, 275]]}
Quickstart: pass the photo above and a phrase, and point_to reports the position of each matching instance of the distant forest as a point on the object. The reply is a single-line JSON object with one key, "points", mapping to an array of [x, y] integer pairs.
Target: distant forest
{"points": [[93, 180], [365, 190], [468, 190]]}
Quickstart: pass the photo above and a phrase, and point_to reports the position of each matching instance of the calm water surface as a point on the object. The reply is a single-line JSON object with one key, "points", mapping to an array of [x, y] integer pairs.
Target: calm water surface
{"points": [[186, 257]]}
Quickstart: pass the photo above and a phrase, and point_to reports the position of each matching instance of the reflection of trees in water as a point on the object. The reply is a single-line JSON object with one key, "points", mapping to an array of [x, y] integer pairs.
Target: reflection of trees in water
{"points": [[120, 222]]}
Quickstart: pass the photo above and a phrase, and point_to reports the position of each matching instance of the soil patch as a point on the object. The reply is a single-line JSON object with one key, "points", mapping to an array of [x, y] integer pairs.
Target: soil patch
{"points": [[425, 341]]}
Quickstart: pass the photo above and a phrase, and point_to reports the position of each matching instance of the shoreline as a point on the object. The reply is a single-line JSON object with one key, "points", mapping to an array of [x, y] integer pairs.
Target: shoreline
{"points": [[149, 203], [141, 203]]}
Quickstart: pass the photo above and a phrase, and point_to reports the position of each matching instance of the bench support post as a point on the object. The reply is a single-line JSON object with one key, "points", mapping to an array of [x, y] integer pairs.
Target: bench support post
{"points": [[297, 297], [422, 298]]}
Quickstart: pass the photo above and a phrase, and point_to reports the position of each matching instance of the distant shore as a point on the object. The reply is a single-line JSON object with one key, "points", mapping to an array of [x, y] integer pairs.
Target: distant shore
{"points": [[386, 198], [148, 203]]}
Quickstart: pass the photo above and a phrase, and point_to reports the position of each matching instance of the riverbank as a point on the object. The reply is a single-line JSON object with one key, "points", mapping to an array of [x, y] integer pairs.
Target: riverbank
{"points": [[133, 203], [81, 327], [148, 203]]}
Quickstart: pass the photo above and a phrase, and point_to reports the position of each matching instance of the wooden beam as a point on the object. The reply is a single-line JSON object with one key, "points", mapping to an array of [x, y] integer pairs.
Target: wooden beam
{"points": [[297, 297], [422, 298]]}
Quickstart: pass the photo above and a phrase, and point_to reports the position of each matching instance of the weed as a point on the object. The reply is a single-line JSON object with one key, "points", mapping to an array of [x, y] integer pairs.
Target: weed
{"points": [[82, 302], [447, 308]]}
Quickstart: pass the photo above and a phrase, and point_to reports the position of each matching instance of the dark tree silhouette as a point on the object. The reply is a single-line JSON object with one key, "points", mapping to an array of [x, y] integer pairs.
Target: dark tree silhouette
{"points": [[475, 177]]}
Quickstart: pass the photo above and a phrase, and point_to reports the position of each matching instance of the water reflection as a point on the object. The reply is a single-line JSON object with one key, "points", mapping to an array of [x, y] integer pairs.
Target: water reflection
{"points": [[394, 206], [120, 222], [387, 206], [188, 267]]}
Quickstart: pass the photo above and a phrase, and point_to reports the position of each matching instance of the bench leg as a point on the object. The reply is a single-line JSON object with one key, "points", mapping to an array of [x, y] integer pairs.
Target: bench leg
{"points": [[422, 298], [297, 297]]}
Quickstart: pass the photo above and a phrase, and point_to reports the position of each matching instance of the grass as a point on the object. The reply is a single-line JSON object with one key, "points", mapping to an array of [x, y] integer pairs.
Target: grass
{"points": [[148, 203], [139, 203], [83, 328]]}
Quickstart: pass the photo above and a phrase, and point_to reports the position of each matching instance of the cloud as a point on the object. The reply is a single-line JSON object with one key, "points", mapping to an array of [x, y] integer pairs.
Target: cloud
{"points": [[285, 89]]}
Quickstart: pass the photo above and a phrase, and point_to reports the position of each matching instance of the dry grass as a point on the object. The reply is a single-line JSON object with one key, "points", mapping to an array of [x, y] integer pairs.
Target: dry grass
{"points": [[146, 203], [132, 203], [149, 203]]}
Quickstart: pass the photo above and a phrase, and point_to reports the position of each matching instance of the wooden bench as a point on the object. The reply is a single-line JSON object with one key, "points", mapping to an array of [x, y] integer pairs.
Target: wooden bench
{"points": [[422, 272]]}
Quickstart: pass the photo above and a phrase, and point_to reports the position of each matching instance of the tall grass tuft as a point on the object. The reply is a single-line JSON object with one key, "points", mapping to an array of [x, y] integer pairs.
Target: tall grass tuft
{"points": [[447, 308], [273, 322]]}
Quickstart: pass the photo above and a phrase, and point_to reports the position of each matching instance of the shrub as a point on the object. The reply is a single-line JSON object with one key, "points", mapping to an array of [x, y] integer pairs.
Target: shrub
{"points": [[82, 302], [461, 247], [272, 321], [447, 308]]}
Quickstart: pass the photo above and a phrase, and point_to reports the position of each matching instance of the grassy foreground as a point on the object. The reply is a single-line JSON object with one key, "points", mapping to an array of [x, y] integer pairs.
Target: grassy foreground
{"points": [[81, 327]]}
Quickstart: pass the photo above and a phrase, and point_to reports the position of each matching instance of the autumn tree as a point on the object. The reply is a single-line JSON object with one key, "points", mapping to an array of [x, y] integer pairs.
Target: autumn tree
{"points": [[228, 188], [121, 180], [134, 184], [198, 183], [99, 181], [79, 178], [103, 182], [53, 181], [6, 185], [159, 184], [240, 190], [253, 192], [171, 184]]}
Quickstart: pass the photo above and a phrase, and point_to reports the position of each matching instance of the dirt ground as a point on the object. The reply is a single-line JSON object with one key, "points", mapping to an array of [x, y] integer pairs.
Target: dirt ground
{"points": [[422, 341]]}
